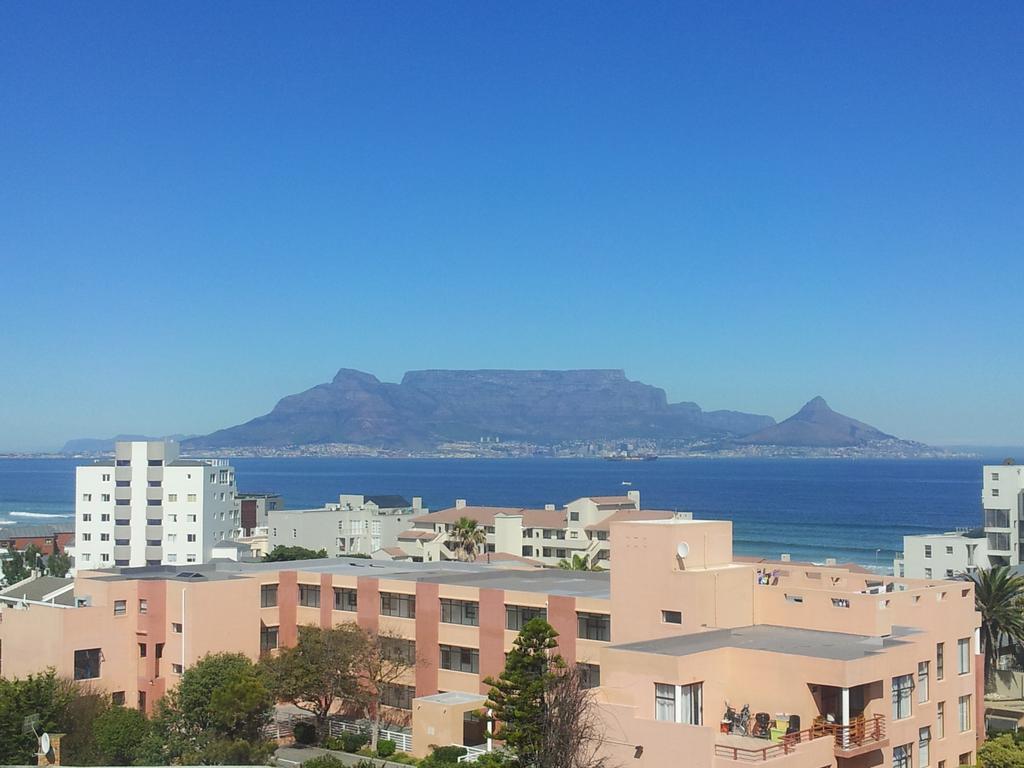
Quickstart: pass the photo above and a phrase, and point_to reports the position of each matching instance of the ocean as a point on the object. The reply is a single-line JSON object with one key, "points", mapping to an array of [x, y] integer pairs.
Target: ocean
{"points": [[854, 510]]}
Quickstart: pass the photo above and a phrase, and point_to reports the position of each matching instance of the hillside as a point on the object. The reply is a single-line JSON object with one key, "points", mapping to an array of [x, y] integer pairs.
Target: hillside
{"points": [[817, 426], [433, 406]]}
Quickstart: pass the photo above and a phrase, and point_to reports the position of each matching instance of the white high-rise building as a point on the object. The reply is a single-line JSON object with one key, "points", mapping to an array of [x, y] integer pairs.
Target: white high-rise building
{"points": [[1002, 498], [149, 507]]}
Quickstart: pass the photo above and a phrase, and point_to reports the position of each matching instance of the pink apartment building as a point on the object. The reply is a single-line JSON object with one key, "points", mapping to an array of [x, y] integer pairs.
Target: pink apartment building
{"points": [[861, 670]]}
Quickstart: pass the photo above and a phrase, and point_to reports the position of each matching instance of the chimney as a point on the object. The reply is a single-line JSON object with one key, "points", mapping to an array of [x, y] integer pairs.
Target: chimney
{"points": [[417, 502], [635, 496], [549, 507], [460, 503]]}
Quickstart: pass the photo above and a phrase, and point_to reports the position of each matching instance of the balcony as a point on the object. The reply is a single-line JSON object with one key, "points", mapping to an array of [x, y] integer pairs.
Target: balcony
{"points": [[862, 735], [748, 749]]}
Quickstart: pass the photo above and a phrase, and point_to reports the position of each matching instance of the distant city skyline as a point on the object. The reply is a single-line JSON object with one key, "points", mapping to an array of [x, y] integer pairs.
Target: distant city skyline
{"points": [[207, 208]]}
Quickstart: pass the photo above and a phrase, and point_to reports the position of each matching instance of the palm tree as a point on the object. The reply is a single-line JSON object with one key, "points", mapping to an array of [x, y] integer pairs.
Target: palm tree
{"points": [[999, 598], [578, 563], [468, 538]]}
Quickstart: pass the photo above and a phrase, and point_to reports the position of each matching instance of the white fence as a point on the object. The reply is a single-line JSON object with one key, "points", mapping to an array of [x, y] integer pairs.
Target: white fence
{"points": [[472, 753], [403, 741]]}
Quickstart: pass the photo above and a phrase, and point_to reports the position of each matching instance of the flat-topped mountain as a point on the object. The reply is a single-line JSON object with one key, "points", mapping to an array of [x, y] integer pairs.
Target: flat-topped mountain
{"points": [[817, 426], [434, 406]]}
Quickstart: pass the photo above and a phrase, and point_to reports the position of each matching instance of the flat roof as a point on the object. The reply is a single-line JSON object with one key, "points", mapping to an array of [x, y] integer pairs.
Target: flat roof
{"points": [[773, 639]]}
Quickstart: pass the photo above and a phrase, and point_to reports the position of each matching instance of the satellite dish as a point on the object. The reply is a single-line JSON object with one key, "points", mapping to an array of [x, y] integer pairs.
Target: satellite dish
{"points": [[44, 744], [682, 549]]}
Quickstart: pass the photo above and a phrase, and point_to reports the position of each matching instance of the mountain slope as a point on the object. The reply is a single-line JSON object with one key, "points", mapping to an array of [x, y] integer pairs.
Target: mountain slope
{"points": [[434, 406], [817, 426]]}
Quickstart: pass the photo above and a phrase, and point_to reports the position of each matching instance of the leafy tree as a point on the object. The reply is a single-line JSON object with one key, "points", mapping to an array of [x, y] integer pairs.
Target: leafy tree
{"points": [[58, 564], [1001, 752], [384, 659], [45, 695], [281, 554], [999, 598], [518, 697], [467, 537], [14, 569], [120, 735], [318, 671], [579, 563]]}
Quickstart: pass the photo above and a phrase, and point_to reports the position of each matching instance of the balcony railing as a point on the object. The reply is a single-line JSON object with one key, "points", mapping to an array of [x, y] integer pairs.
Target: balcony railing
{"points": [[772, 749], [861, 735]]}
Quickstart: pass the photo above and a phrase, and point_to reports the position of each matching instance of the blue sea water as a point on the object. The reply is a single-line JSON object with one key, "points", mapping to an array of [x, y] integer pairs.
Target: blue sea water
{"points": [[854, 510]]}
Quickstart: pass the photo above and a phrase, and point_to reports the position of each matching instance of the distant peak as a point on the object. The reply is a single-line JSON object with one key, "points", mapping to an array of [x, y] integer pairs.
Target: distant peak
{"points": [[351, 374], [815, 404]]}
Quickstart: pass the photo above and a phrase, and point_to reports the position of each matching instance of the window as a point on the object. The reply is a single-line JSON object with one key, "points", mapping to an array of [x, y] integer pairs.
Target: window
{"points": [[143, 606], [901, 756], [86, 537], [86, 557], [106, 479], [924, 738], [927, 553], [574, 516], [679, 703], [927, 573], [123, 502], [190, 518], [86, 518], [268, 595], [922, 682], [104, 497], [672, 617], [176, 627], [965, 713], [397, 696], [902, 687], [123, 462], [459, 659], [190, 537], [104, 537], [399, 649], [172, 558], [177, 669], [117, 698], [268, 638], [995, 491], [105, 558], [86, 497], [87, 664], [594, 626], [398, 604], [309, 595], [191, 497], [997, 518], [949, 573], [949, 550], [105, 518], [516, 616], [939, 660], [345, 599], [142, 650], [172, 497], [460, 612], [590, 675], [190, 558], [963, 649], [967, 758], [120, 607], [995, 476], [940, 720]]}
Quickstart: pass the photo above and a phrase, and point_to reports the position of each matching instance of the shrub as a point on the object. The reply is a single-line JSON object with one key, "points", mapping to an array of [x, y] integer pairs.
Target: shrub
{"points": [[353, 742], [324, 761], [449, 754], [304, 732], [401, 757], [385, 748]]}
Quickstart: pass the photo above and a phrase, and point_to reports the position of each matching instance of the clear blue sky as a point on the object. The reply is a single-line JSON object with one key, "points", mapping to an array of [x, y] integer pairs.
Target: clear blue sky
{"points": [[206, 206]]}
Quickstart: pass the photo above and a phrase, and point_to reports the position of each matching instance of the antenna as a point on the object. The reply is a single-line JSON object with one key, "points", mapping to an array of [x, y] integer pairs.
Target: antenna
{"points": [[44, 744], [682, 549]]}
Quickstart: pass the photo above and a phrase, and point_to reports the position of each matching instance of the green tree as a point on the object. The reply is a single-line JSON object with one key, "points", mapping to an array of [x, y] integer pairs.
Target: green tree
{"points": [[14, 569], [999, 598], [518, 697], [1001, 752], [321, 669], [468, 538], [120, 735], [58, 564], [384, 658], [579, 563], [281, 554], [45, 695]]}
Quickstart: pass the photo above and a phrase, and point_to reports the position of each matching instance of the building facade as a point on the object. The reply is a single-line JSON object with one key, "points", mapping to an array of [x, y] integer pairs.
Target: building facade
{"points": [[147, 506], [860, 670], [356, 524], [942, 555], [1002, 501]]}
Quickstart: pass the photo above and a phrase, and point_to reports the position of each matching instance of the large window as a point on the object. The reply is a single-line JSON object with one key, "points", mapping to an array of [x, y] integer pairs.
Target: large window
{"points": [[398, 604], [963, 651], [516, 616], [398, 696], [901, 756], [460, 659], [87, 664], [940, 660], [679, 703], [902, 688], [309, 595], [460, 612], [268, 595], [940, 720], [345, 599], [399, 649], [590, 675], [997, 518], [922, 682], [268, 638], [965, 713], [999, 542], [594, 626], [924, 742]]}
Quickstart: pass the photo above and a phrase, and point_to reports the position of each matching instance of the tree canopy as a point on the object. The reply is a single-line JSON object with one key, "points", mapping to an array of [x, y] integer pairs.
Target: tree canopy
{"points": [[281, 554], [999, 598]]}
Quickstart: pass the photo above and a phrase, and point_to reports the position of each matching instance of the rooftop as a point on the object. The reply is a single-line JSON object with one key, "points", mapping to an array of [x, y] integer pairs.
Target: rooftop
{"points": [[42, 531], [388, 501], [44, 589], [772, 639]]}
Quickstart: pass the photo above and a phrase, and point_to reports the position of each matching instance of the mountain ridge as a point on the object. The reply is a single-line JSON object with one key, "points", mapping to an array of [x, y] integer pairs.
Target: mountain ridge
{"points": [[816, 425]]}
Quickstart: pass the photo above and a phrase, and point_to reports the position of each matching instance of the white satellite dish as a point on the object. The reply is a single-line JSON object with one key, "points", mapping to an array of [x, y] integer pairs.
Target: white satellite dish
{"points": [[44, 744], [682, 549]]}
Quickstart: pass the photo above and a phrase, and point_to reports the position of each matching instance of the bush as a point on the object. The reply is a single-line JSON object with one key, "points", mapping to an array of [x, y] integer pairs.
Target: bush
{"points": [[333, 742], [443, 757], [304, 732], [324, 761], [401, 757], [353, 742], [385, 748]]}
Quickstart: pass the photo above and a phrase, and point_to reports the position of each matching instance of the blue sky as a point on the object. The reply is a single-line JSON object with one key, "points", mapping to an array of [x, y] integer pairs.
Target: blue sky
{"points": [[208, 206]]}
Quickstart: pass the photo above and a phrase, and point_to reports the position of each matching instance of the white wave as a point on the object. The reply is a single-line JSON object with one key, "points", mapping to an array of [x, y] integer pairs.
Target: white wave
{"points": [[41, 514]]}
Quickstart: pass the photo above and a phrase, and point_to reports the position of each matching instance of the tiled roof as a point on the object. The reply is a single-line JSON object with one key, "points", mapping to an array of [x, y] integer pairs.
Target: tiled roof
{"points": [[625, 515], [395, 551], [499, 557], [532, 518], [42, 588], [412, 534], [34, 531]]}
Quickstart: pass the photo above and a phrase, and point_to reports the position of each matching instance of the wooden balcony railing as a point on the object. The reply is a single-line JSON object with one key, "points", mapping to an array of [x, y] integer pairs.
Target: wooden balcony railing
{"points": [[771, 749], [862, 732]]}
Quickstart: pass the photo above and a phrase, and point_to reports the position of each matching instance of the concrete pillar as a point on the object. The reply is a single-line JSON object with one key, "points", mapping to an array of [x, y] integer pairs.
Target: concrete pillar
{"points": [[846, 718]]}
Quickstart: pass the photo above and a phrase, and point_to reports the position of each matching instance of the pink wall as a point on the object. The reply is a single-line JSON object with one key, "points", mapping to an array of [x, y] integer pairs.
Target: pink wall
{"points": [[368, 603], [326, 601], [562, 616], [287, 604], [492, 635], [428, 618]]}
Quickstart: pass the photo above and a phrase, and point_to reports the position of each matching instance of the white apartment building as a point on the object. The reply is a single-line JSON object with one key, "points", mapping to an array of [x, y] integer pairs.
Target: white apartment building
{"points": [[1002, 499], [355, 525], [147, 506], [942, 555], [545, 536]]}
